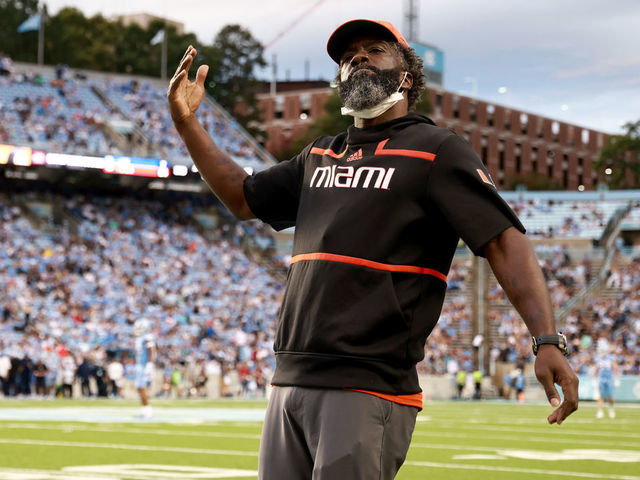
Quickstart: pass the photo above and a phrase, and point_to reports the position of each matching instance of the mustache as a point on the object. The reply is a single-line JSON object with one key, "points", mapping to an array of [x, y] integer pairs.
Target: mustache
{"points": [[366, 67]]}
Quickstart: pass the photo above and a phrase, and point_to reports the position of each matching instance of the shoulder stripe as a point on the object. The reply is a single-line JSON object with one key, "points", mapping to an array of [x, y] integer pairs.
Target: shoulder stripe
{"points": [[331, 153], [332, 257], [380, 150]]}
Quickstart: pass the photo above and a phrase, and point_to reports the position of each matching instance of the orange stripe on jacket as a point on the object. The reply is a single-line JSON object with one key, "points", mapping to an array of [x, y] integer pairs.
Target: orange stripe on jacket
{"points": [[331, 257], [331, 153], [413, 400], [380, 150]]}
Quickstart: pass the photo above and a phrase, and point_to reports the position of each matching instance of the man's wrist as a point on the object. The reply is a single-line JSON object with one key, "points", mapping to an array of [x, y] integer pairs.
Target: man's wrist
{"points": [[557, 340], [186, 123]]}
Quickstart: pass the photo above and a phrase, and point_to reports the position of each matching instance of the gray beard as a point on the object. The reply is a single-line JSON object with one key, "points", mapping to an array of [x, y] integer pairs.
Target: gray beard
{"points": [[364, 90]]}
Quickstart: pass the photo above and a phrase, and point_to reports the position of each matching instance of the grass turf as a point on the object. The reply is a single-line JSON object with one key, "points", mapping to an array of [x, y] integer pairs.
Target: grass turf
{"points": [[452, 441]]}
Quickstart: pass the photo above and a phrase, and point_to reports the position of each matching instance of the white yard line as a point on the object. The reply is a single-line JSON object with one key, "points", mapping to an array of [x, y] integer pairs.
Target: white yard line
{"points": [[120, 446], [565, 431], [173, 433], [69, 427], [540, 439], [454, 466], [546, 472]]}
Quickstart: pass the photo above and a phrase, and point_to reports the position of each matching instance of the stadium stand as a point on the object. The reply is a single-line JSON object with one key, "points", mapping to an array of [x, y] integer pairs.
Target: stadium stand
{"points": [[78, 267], [53, 114], [78, 295], [58, 110]]}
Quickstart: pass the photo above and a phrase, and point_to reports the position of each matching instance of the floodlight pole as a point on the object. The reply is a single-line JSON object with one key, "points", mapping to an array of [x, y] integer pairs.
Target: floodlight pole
{"points": [[163, 68], [412, 20], [43, 15]]}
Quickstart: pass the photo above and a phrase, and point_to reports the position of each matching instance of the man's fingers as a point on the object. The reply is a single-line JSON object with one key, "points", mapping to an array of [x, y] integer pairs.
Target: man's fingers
{"points": [[176, 81], [201, 75], [182, 60], [545, 378], [185, 63], [570, 404]]}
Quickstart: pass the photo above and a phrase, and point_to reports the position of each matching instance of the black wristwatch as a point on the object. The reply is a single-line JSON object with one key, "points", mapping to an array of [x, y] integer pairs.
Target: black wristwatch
{"points": [[557, 339]]}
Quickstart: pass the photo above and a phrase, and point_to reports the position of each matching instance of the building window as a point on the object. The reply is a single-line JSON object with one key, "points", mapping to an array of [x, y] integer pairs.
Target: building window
{"points": [[490, 111], [524, 118]]}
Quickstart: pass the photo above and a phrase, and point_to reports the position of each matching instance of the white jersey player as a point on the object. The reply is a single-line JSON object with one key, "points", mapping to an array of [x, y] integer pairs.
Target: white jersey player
{"points": [[145, 350], [607, 376]]}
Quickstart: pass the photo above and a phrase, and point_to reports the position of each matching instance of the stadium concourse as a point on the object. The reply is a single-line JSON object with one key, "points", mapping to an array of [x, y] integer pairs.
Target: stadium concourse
{"points": [[83, 256]]}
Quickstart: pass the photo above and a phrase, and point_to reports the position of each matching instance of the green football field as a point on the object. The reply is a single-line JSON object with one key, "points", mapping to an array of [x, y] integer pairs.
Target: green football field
{"points": [[207, 440]]}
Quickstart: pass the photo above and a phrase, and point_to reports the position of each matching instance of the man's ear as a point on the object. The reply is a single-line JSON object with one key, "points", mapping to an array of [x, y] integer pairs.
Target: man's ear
{"points": [[407, 83]]}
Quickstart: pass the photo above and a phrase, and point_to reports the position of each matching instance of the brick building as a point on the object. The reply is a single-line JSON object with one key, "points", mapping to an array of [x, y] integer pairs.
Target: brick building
{"points": [[512, 143]]}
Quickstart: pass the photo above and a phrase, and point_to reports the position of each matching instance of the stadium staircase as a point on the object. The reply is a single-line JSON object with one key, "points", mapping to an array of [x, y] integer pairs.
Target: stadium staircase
{"points": [[135, 139], [607, 240]]}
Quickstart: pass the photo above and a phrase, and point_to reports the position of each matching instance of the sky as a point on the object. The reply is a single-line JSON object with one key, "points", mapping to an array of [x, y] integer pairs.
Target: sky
{"points": [[576, 61]]}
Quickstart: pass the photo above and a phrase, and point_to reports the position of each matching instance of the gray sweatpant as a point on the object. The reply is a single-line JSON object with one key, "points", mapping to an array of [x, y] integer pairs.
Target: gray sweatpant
{"points": [[325, 434]]}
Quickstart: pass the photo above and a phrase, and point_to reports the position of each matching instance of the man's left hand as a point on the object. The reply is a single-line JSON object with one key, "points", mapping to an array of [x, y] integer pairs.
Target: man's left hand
{"points": [[551, 367]]}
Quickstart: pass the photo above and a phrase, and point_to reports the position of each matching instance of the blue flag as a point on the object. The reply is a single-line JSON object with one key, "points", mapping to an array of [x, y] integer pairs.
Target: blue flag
{"points": [[30, 24]]}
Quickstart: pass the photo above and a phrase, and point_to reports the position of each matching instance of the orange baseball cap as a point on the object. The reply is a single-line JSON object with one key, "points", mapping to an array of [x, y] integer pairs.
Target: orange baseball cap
{"points": [[339, 39]]}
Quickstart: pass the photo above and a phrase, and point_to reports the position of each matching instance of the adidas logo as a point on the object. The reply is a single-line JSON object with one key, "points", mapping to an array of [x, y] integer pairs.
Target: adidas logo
{"points": [[355, 156]]}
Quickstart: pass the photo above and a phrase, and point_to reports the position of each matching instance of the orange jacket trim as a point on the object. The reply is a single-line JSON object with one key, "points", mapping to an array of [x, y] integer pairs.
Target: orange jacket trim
{"points": [[380, 150], [331, 257], [328, 151], [413, 400]]}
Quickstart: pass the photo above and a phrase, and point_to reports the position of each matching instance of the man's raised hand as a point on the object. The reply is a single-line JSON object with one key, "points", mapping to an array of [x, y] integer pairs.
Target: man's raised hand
{"points": [[184, 96]]}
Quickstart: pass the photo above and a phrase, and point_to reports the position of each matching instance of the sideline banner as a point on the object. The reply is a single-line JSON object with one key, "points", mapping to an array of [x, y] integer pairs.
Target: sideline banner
{"points": [[627, 391]]}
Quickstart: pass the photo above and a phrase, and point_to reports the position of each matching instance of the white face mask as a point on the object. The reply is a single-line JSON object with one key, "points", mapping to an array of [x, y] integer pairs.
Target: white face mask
{"points": [[378, 109]]}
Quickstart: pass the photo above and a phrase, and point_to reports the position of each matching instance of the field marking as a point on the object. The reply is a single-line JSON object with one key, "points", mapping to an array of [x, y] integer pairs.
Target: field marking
{"points": [[606, 455], [118, 472], [493, 468], [546, 472], [117, 446], [195, 416], [73, 428], [564, 431], [542, 439], [540, 422], [157, 472], [68, 428], [514, 452]]}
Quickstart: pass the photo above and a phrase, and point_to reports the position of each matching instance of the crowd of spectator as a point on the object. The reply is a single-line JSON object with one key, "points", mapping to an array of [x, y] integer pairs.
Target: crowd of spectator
{"points": [[59, 114], [146, 105], [613, 317], [564, 219], [65, 113], [69, 300]]}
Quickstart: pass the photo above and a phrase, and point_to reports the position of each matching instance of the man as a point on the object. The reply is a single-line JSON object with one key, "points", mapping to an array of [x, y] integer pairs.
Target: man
{"points": [[40, 371], [145, 350], [378, 212], [115, 373], [84, 372], [5, 370], [606, 373]]}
